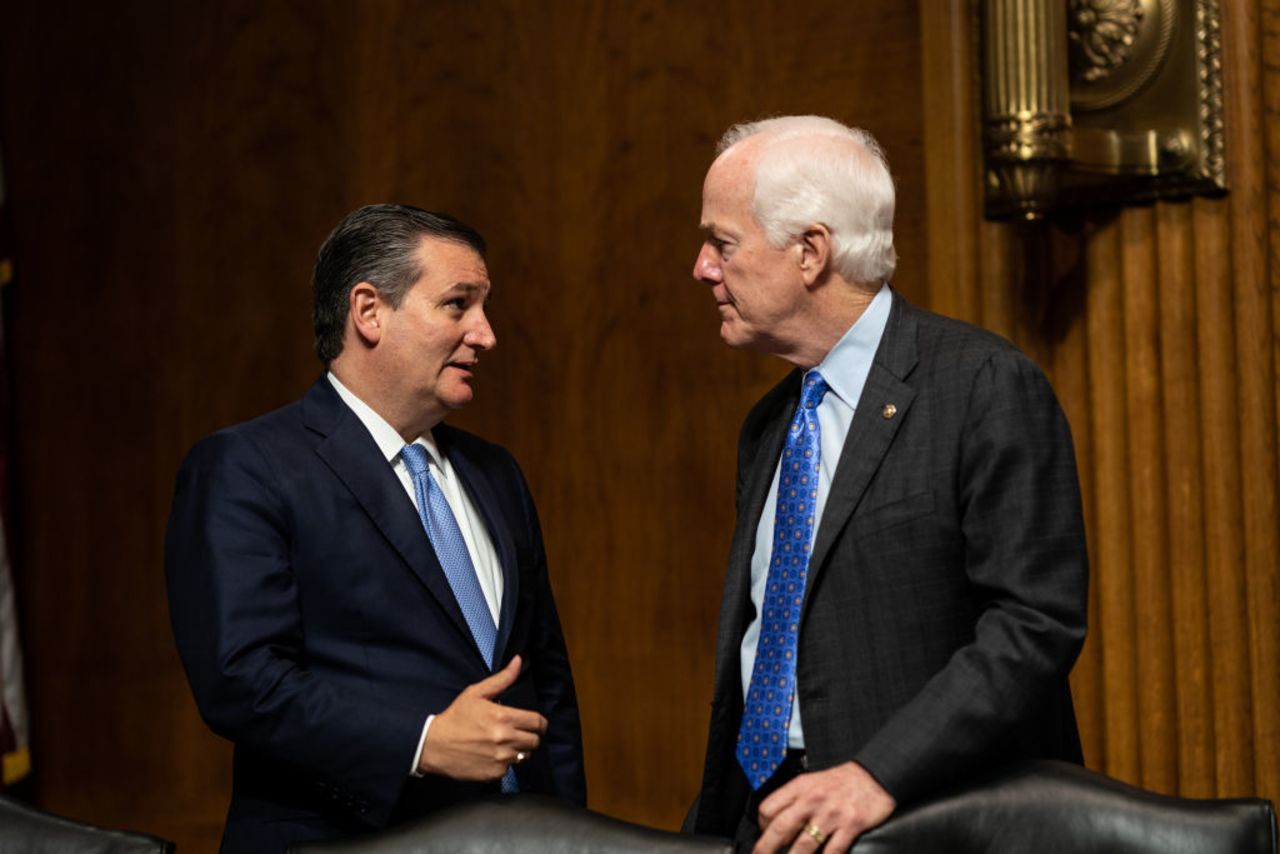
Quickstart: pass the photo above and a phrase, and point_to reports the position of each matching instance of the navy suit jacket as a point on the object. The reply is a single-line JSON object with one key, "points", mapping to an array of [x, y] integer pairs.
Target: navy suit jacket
{"points": [[318, 630], [946, 592]]}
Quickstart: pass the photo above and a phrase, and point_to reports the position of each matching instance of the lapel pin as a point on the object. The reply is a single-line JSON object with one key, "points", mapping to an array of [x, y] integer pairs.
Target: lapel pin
{"points": [[889, 411]]}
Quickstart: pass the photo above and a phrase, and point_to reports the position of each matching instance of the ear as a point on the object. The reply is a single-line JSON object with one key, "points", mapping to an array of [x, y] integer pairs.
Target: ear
{"points": [[366, 311], [815, 253]]}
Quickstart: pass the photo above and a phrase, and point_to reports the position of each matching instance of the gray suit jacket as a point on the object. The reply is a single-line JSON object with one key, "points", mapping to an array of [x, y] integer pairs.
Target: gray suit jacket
{"points": [[946, 596]]}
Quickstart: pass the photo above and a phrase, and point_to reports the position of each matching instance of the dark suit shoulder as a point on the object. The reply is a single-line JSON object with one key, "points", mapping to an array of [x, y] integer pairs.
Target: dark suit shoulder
{"points": [[966, 371], [266, 433], [275, 447], [959, 343]]}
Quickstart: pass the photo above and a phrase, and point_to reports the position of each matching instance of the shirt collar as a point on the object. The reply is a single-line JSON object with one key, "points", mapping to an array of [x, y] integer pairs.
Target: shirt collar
{"points": [[386, 437], [846, 366]]}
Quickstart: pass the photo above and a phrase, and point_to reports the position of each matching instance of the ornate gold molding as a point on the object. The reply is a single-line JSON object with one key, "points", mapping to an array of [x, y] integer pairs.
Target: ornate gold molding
{"points": [[1102, 35], [1100, 101], [1027, 104], [1209, 73], [1117, 47]]}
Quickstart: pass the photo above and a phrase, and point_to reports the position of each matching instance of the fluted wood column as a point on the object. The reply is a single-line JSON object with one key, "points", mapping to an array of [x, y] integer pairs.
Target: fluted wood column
{"points": [[1158, 328]]}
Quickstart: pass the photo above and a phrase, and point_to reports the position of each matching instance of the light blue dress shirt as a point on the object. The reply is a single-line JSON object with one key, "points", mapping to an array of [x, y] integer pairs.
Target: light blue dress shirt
{"points": [[845, 369]]}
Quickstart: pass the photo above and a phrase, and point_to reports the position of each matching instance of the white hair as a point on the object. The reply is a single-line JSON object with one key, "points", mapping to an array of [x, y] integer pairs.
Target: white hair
{"points": [[825, 173]]}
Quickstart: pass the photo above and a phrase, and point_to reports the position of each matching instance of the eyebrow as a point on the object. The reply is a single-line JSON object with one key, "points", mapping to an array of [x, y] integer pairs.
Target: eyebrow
{"points": [[467, 287]]}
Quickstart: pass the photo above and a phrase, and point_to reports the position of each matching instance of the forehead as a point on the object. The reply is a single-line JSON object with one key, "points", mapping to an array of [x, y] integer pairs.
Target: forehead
{"points": [[729, 189], [449, 262]]}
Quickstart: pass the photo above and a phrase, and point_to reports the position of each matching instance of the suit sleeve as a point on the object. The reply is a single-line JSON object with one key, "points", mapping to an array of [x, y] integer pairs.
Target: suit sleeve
{"points": [[234, 605], [557, 699], [1024, 554]]}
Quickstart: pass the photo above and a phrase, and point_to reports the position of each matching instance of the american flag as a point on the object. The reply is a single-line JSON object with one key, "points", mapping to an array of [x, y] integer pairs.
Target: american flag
{"points": [[15, 753]]}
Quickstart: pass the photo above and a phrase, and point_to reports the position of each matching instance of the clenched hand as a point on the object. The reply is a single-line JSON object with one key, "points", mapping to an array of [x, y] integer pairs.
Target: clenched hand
{"points": [[477, 738]]}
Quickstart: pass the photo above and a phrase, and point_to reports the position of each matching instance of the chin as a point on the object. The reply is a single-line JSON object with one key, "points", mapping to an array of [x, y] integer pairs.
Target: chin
{"points": [[733, 336], [457, 398]]}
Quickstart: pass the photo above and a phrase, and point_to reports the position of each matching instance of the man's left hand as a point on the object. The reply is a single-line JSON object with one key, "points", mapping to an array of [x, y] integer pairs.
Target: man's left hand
{"points": [[838, 803]]}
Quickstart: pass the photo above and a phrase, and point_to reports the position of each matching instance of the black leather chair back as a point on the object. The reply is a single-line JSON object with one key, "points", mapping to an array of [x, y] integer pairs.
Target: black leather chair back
{"points": [[27, 830], [1058, 808], [524, 824], [1029, 808]]}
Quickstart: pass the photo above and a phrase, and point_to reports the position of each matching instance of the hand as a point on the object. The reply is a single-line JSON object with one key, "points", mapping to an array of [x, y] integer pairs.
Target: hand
{"points": [[841, 802], [477, 738]]}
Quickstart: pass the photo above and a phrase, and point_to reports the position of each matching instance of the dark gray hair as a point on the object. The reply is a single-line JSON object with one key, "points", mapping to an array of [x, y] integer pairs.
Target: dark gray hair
{"points": [[378, 244]]}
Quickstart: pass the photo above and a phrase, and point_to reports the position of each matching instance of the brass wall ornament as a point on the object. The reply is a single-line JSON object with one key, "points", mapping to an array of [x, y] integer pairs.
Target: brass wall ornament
{"points": [[1100, 102], [1103, 35]]}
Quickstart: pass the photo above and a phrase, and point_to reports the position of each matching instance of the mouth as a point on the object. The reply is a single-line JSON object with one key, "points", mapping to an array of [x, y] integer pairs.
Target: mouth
{"points": [[466, 367]]}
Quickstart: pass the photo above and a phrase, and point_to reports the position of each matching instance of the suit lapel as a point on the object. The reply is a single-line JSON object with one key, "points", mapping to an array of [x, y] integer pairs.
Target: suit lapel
{"points": [[871, 434], [485, 497], [350, 452]]}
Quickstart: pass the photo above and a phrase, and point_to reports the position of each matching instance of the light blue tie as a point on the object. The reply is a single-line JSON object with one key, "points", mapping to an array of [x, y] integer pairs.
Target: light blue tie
{"points": [[766, 714], [451, 550]]}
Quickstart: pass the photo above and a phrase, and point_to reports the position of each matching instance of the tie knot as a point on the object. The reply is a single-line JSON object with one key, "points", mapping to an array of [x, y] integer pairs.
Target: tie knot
{"points": [[813, 390], [415, 459]]}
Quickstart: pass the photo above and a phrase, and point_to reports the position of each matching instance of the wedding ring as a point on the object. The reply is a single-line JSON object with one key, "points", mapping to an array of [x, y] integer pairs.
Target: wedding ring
{"points": [[817, 835]]}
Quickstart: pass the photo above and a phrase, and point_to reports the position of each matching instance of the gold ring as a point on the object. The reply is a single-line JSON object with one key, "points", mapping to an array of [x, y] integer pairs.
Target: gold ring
{"points": [[817, 835]]}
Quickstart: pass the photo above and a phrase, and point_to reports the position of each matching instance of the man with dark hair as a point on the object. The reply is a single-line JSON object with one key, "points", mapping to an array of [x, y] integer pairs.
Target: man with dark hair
{"points": [[906, 585], [359, 592]]}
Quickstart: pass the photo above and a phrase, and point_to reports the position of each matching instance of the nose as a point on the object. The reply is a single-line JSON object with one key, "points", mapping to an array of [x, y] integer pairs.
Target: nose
{"points": [[706, 267], [480, 335]]}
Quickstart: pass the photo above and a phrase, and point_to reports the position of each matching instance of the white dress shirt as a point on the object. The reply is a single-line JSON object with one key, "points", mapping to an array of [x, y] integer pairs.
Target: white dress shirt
{"points": [[484, 557], [845, 370]]}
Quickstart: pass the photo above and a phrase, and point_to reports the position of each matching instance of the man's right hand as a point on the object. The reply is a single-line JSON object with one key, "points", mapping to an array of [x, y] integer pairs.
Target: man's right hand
{"points": [[477, 738]]}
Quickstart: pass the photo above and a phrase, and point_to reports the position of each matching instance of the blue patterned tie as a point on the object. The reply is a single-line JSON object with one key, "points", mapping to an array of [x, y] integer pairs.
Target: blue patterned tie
{"points": [[762, 738], [451, 550]]}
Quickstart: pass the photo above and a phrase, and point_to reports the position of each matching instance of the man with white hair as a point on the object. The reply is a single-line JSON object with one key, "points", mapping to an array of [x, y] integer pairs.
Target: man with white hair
{"points": [[906, 589]]}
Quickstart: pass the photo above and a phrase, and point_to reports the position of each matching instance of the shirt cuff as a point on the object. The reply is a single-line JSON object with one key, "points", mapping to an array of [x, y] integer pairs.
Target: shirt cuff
{"points": [[417, 756]]}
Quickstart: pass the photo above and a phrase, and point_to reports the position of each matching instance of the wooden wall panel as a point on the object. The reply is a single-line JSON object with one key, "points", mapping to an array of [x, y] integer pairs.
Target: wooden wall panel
{"points": [[1257, 343], [1184, 493], [1158, 328], [1143, 421], [173, 168], [1112, 582]]}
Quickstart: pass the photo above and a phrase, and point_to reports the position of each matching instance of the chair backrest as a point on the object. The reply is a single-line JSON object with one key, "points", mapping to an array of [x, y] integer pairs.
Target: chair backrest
{"points": [[27, 830], [1029, 808], [1054, 807], [523, 824]]}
